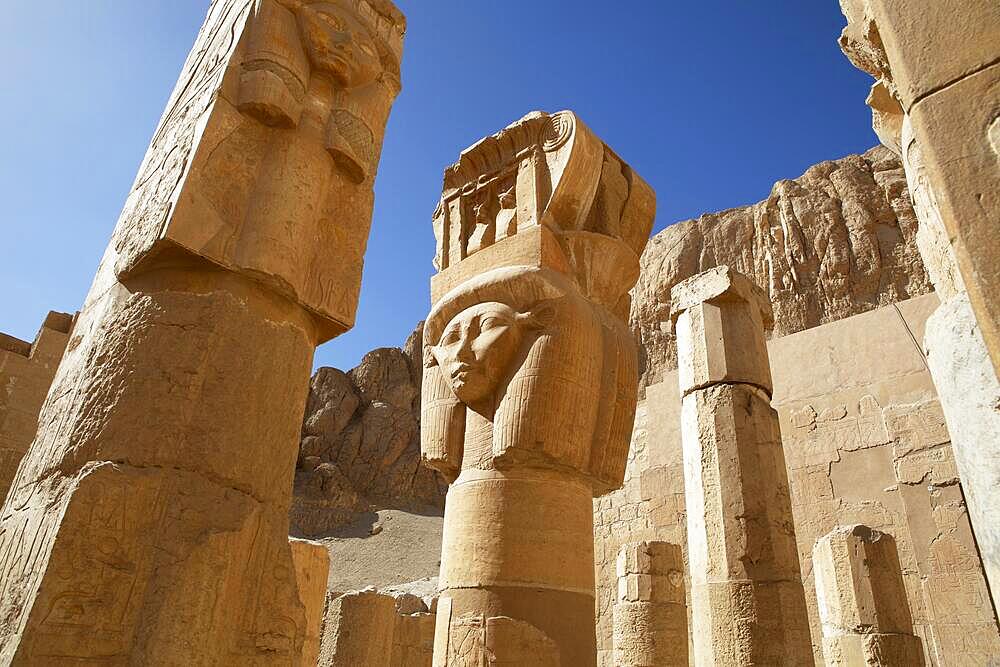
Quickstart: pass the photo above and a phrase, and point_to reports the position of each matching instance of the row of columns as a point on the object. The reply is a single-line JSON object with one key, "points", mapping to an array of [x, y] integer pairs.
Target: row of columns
{"points": [[154, 498]]}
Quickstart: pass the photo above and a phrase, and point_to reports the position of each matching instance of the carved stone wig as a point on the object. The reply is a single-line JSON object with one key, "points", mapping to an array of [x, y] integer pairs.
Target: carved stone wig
{"points": [[544, 220]]}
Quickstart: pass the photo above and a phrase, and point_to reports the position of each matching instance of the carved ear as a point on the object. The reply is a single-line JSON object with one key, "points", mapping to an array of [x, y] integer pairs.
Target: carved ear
{"points": [[541, 315], [430, 361]]}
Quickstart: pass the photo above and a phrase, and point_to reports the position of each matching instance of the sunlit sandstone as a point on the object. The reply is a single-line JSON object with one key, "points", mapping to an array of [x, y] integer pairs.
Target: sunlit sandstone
{"points": [[529, 388], [747, 601], [148, 522], [935, 103]]}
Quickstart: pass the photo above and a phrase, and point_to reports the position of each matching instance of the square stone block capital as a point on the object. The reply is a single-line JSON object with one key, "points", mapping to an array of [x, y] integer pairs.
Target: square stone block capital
{"points": [[721, 285], [721, 320]]}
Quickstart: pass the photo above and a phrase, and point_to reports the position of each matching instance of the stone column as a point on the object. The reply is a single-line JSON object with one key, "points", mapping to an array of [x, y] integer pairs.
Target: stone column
{"points": [[748, 604], [413, 640], [530, 383], [148, 521], [938, 62], [862, 600], [650, 614], [940, 116], [26, 372]]}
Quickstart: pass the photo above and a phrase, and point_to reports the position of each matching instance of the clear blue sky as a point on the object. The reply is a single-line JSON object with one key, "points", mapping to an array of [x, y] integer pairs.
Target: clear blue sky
{"points": [[711, 101]]}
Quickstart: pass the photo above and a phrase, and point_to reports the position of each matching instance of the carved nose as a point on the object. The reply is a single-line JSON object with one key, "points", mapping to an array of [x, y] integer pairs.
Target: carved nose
{"points": [[464, 352]]}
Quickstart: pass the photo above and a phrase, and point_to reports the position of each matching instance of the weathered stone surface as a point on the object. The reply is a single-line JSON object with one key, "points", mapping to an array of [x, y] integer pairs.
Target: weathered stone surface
{"points": [[312, 569], [837, 241], [529, 387], [862, 600], [720, 320], [940, 115], [358, 630], [958, 358], [650, 616], [149, 519], [413, 640], [747, 601], [948, 106], [360, 447], [865, 441], [26, 372], [388, 627]]}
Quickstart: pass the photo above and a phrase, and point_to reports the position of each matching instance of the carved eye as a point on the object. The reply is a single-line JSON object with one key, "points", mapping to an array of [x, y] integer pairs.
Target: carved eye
{"points": [[491, 323], [449, 338], [368, 49]]}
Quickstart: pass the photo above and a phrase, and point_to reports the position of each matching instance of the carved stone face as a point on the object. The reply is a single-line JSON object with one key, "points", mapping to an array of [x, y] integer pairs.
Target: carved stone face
{"points": [[340, 44], [477, 348]]}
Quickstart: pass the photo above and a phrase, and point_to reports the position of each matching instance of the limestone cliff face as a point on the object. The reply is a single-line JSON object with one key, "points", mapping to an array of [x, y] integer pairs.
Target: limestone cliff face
{"points": [[837, 241], [360, 446]]}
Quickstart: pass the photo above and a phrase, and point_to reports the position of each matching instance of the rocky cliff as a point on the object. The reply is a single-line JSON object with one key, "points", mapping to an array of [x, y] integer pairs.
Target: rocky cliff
{"points": [[837, 241], [360, 447]]}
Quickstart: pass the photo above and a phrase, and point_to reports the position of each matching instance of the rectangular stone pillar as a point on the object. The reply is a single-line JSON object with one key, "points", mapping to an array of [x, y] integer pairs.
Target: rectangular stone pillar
{"points": [[148, 523], [650, 613], [312, 569], [862, 600], [358, 630], [748, 604]]}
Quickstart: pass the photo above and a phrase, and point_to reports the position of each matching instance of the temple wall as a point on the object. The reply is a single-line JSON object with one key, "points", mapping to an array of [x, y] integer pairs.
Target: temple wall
{"points": [[865, 442], [26, 372]]}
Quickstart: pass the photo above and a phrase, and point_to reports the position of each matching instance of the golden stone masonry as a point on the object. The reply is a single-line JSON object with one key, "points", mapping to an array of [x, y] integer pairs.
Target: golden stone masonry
{"points": [[767, 436], [529, 386]]}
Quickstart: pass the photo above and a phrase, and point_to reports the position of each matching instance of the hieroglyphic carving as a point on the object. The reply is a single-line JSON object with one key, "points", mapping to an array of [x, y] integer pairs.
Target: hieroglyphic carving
{"points": [[530, 380]]}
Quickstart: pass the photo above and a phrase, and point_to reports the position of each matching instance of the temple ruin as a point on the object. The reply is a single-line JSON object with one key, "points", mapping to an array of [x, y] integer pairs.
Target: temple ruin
{"points": [[766, 436]]}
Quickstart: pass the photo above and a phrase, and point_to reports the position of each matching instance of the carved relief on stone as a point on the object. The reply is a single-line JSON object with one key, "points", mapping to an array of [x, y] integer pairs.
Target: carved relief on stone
{"points": [[526, 371], [552, 171], [527, 357], [529, 386], [274, 134]]}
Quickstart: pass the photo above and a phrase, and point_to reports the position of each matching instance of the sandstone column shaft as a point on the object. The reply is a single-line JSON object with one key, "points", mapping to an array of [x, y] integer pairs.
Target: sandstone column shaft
{"points": [[943, 61], [650, 613], [518, 544], [748, 604], [148, 523], [941, 116], [530, 384], [862, 600]]}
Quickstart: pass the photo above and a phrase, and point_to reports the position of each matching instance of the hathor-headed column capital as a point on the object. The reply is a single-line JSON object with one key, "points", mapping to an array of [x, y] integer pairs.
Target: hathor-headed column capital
{"points": [[528, 357]]}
